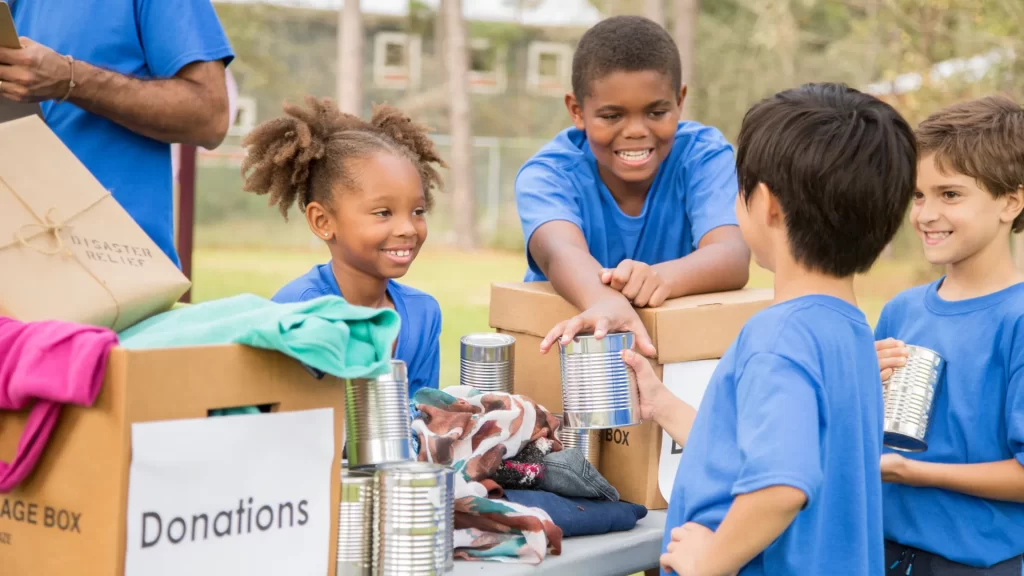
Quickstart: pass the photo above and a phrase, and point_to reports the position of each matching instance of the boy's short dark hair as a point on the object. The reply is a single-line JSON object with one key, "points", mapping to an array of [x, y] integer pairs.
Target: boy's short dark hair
{"points": [[624, 43], [983, 139], [843, 166]]}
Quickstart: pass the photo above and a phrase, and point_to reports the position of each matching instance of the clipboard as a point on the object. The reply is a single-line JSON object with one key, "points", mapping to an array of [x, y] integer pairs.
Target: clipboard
{"points": [[8, 33], [9, 109]]}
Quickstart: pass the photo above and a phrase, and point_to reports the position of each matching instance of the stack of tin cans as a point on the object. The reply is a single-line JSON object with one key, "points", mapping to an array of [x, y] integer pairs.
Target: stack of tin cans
{"points": [[397, 515]]}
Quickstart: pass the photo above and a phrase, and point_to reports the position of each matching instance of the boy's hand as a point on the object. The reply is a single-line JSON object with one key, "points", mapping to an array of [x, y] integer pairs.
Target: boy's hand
{"points": [[609, 315], [895, 468], [688, 543], [891, 354], [638, 282], [651, 388]]}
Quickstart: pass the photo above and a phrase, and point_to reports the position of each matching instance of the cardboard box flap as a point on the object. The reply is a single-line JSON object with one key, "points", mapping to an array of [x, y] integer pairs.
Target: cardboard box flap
{"points": [[689, 328], [39, 170], [702, 327], [215, 377], [528, 307]]}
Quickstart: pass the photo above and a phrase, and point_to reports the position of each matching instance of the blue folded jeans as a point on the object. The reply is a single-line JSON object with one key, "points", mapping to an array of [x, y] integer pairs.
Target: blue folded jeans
{"points": [[568, 473], [581, 516]]}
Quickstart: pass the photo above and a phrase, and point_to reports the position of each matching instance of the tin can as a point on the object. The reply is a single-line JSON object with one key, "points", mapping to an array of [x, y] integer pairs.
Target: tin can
{"points": [[377, 418], [355, 522], [414, 519], [598, 388], [487, 362], [586, 441], [909, 399]]}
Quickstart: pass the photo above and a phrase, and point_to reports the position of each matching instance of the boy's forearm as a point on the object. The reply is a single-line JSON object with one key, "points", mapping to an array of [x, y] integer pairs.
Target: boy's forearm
{"points": [[721, 263], [674, 416], [753, 522], [992, 480], [572, 271]]}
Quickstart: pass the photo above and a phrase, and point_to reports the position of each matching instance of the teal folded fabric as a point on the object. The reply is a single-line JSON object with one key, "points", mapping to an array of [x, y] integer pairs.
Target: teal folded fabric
{"points": [[327, 333]]}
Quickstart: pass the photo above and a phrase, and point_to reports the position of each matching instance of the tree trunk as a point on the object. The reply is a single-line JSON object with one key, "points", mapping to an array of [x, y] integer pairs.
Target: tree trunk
{"points": [[685, 33], [350, 58], [460, 124], [655, 10]]}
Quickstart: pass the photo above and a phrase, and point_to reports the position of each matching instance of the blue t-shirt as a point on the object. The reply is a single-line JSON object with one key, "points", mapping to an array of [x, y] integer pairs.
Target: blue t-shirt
{"points": [[139, 38], [795, 401], [693, 193], [977, 417], [419, 337]]}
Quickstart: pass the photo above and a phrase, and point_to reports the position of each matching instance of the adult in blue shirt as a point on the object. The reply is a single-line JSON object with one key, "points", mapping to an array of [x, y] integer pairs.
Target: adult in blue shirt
{"points": [[630, 206], [119, 81]]}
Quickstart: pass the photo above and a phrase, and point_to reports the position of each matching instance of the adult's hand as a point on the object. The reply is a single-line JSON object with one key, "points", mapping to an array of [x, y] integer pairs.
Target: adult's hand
{"points": [[34, 73]]}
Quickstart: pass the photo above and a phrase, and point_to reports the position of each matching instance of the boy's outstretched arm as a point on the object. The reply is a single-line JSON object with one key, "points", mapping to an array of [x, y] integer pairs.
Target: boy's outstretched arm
{"points": [[1002, 480], [754, 521], [657, 402], [721, 262], [561, 252]]}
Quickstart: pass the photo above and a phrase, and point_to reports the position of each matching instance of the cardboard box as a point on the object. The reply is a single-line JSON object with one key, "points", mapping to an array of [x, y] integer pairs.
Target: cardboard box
{"points": [[683, 330], [69, 516], [69, 250]]}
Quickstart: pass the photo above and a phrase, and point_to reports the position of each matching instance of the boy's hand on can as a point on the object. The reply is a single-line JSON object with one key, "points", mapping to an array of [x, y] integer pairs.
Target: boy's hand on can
{"points": [[892, 354], [638, 282], [609, 315], [649, 385]]}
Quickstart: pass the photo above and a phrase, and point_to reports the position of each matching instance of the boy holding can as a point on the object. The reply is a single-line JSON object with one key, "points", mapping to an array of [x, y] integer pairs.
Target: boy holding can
{"points": [[630, 206], [958, 507], [780, 474]]}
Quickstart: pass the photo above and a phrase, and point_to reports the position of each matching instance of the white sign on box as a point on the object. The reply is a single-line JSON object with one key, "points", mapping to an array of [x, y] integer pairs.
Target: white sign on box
{"points": [[688, 381], [231, 495]]}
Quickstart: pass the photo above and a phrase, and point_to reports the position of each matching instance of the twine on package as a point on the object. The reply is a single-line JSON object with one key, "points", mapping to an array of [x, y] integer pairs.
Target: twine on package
{"points": [[51, 224]]}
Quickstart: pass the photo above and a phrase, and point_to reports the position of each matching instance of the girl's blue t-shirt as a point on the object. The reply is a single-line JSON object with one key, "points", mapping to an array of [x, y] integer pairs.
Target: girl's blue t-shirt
{"points": [[419, 336], [693, 193]]}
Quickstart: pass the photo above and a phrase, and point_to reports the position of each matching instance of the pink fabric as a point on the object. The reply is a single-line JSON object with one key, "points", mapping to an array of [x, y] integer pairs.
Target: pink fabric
{"points": [[51, 363]]}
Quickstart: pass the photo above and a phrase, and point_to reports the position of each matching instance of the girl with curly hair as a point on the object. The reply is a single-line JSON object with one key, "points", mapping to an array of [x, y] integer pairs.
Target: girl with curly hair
{"points": [[365, 188]]}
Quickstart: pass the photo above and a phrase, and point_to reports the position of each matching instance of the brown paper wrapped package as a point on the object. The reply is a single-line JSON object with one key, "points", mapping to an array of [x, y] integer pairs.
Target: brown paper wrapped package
{"points": [[68, 250]]}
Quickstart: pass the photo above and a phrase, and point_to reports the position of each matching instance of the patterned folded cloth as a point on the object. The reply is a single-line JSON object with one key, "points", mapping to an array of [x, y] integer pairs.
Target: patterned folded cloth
{"points": [[474, 432]]}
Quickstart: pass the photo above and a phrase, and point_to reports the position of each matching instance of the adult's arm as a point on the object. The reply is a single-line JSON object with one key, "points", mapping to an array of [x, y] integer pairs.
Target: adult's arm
{"points": [[190, 108]]}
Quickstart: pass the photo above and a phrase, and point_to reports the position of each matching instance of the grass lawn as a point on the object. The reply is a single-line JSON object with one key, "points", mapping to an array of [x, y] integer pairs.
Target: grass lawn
{"points": [[459, 281]]}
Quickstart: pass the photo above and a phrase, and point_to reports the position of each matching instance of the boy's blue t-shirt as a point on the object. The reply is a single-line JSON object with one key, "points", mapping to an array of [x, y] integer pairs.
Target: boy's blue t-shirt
{"points": [[693, 193], [978, 417], [795, 401], [419, 336], [145, 39]]}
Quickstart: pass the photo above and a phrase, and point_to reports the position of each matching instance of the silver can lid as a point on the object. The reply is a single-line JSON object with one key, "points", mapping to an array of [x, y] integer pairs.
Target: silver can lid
{"points": [[396, 373], [589, 344], [488, 347]]}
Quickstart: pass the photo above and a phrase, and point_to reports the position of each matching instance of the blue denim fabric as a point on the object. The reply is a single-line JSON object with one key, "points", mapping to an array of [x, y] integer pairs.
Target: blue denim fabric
{"points": [[580, 516], [569, 474]]}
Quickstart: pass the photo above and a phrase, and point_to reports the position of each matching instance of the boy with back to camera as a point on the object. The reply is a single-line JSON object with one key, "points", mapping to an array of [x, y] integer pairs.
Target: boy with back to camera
{"points": [[630, 206], [780, 472], [958, 507]]}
